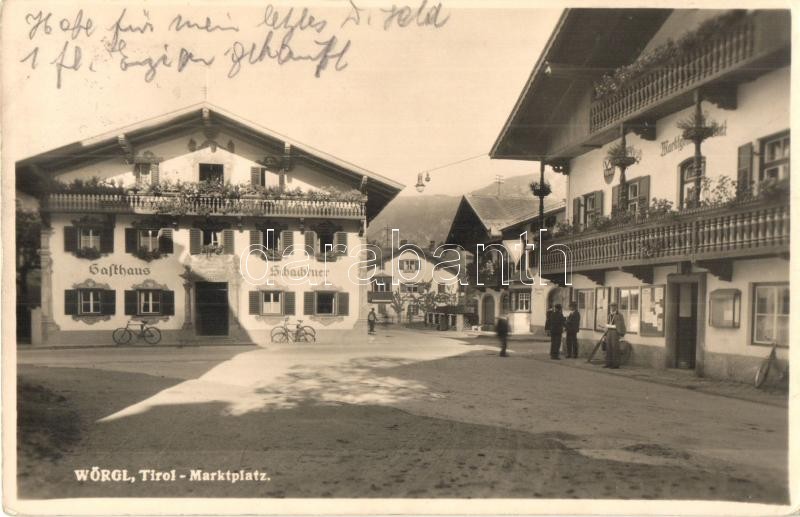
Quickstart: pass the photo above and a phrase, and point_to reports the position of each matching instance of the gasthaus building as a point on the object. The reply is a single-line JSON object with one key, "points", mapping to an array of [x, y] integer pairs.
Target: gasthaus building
{"points": [[672, 127], [151, 222]]}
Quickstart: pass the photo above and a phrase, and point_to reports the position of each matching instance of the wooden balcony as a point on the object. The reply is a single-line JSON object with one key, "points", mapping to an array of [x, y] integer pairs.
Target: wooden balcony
{"points": [[709, 237], [736, 55], [200, 205]]}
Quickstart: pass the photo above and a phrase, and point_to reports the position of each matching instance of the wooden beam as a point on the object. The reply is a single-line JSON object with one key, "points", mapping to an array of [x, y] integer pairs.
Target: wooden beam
{"points": [[559, 165], [721, 268], [645, 129], [574, 72], [643, 273], [723, 95], [598, 276]]}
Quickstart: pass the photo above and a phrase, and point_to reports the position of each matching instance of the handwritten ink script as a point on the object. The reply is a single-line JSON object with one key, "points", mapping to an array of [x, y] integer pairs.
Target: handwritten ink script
{"points": [[145, 43]]}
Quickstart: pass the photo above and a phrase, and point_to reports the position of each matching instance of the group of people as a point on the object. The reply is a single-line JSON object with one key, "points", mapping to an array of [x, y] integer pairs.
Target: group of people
{"points": [[556, 324]]}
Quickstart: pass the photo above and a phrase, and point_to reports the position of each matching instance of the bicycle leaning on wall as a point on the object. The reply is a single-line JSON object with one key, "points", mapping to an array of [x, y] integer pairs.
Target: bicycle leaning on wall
{"points": [[123, 335], [771, 363], [283, 334]]}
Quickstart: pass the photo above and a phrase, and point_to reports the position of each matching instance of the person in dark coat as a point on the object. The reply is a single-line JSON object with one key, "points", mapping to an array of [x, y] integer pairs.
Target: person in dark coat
{"points": [[502, 333], [573, 324], [615, 330], [556, 328], [372, 318], [547, 317]]}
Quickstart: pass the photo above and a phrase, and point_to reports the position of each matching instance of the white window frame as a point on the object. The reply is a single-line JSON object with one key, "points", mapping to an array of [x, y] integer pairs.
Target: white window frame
{"points": [[90, 241], [522, 301], [409, 288], [89, 301], [776, 288], [148, 302], [148, 239], [780, 164], [628, 312], [272, 307], [587, 311], [409, 265]]}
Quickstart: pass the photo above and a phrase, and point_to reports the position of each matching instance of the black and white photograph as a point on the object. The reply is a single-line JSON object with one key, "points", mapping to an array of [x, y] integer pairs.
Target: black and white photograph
{"points": [[396, 257]]}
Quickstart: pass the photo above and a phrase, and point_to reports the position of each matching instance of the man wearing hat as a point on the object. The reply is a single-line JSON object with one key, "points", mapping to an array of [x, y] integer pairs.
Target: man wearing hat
{"points": [[615, 329]]}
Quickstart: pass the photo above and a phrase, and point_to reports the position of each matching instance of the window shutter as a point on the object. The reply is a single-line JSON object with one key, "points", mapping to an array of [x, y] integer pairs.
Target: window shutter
{"points": [[644, 192], [288, 303], [287, 240], [255, 176], [343, 304], [130, 240], [308, 303], [107, 239], [255, 237], [576, 211], [130, 303], [195, 240], [744, 170], [165, 241], [227, 241], [615, 198], [311, 242], [598, 203], [108, 302], [71, 302], [254, 302], [70, 239], [168, 303], [340, 238], [154, 168]]}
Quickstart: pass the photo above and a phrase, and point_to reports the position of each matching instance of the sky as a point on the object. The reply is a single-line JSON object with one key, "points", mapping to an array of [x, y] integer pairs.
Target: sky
{"points": [[414, 92]]}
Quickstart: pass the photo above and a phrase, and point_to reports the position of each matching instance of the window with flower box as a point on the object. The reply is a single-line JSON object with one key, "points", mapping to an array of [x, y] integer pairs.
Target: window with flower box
{"points": [[148, 243], [211, 241]]}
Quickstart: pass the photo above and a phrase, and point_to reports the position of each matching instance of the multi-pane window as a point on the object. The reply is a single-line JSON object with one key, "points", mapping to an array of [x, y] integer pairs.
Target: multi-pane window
{"points": [[271, 302], [211, 172], [409, 288], [585, 300], [771, 314], [628, 305], [271, 239], [633, 197], [381, 285], [148, 239], [149, 302], [588, 209], [326, 303], [522, 301], [409, 265], [90, 238], [775, 155], [325, 242], [90, 301], [689, 176]]}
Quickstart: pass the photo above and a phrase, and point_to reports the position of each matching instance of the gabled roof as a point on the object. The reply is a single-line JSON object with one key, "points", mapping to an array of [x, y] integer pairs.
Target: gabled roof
{"points": [[380, 189], [551, 205], [497, 212], [586, 43]]}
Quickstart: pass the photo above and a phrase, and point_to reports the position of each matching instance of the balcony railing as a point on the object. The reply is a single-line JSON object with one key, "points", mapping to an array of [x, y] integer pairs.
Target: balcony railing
{"points": [[211, 205], [755, 36], [755, 228]]}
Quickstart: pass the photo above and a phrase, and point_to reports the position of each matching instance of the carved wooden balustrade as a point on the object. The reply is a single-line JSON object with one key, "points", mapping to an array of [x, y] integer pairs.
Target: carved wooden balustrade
{"points": [[755, 36], [749, 229], [204, 205]]}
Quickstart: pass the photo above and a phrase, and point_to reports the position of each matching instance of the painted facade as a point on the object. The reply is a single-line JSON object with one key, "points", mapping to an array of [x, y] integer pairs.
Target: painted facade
{"points": [[704, 285], [226, 266]]}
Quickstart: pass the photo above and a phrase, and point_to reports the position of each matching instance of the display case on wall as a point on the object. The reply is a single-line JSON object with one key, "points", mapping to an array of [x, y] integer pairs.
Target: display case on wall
{"points": [[725, 308], [652, 311]]}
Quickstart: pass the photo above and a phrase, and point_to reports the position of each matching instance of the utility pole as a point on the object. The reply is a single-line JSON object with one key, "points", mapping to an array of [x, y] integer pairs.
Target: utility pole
{"points": [[498, 178]]}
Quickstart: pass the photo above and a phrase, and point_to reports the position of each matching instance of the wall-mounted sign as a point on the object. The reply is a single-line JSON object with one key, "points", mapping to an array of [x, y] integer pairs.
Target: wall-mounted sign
{"points": [[117, 270], [296, 272], [678, 142]]}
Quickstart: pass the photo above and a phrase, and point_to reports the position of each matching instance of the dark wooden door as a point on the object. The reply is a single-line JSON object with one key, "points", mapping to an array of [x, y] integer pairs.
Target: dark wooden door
{"points": [[687, 326], [488, 310], [211, 303]]}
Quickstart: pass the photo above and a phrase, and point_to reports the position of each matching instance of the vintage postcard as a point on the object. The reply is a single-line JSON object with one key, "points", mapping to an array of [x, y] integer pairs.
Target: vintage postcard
{"points": [[396, 257]]}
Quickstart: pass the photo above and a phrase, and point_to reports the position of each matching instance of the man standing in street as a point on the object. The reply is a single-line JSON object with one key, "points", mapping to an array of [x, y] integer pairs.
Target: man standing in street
{"points": [[502, 334], [556, 328], [572, 327], [615, 329], [371, 319]]}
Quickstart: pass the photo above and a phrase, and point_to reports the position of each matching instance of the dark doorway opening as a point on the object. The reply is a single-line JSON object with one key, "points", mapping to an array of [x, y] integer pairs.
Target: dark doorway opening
{"points": [[686, 350], [488, 310], [211, 303]]}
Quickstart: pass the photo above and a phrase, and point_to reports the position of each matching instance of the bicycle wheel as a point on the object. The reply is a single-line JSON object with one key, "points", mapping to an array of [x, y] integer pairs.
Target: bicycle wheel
{"points": [[121, 336], [309, 330], [152, 335], [302, 335], [279, 335], [762, 372]]}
